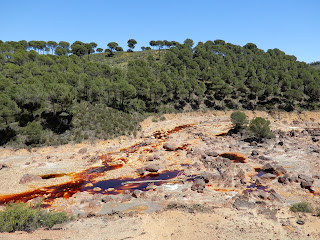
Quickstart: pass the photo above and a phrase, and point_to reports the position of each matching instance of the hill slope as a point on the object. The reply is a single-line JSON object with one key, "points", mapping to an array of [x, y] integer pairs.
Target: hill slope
{"points": [[48, 99]]}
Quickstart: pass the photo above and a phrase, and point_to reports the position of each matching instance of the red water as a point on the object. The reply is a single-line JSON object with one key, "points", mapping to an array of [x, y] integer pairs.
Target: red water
{"points": [[81, 180], [235, 157]]}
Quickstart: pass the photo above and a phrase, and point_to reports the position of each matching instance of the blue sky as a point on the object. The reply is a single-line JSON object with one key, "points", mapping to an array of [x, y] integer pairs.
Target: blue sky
{"points": [[290, 25]]}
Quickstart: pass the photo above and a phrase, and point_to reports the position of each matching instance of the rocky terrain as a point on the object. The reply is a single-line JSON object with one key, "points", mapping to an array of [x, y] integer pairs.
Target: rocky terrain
{"points": [[181, 178]]}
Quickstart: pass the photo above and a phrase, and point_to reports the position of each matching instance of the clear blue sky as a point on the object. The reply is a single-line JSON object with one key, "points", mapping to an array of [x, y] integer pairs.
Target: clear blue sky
{"points": [[290, 25]]}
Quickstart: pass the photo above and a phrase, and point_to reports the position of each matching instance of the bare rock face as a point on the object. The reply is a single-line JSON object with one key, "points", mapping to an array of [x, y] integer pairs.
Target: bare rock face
{"points": [[240, 203], [198, 185], [275, 196], [274, 169], [29, 178]]}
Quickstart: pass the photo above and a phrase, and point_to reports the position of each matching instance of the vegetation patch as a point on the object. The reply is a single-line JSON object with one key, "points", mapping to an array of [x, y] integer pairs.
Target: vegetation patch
{"points": [[49, 90], [24, 217], [301, 207], [317, 212], [188, 207], [259, 127]]}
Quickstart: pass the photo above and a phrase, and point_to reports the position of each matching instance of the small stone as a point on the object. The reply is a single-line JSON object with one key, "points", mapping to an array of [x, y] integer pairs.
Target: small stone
{"points": [[283, 180], [211, 153], [269, 168], [253, 143], [293, 179], [241, 203], [155, 198], [106, 199], [262, 194], [300, 222], [316, 176], [91, 214], [206, 176], [264, 158], [150, 158], [198, 185], [136, 193], [29, 178], [126, 197], [97, 189], [275, 196], [151, 186], [170, 147], [82, 150], [305, 184], [126, 192], [152, 168], [305, 178], [254, 153], [141, 171], [268, 176]]}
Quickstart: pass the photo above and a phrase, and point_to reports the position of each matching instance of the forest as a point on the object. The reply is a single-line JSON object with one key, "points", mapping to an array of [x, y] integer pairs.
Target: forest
{"points": [[54, 93]]}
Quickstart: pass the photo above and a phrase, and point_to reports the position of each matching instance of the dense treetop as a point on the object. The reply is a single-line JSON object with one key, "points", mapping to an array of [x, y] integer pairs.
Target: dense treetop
{"points": [[44, 86]]}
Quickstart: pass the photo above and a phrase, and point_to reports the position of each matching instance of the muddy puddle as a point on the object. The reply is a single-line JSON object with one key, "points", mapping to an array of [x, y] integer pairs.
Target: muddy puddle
{"points": [[111, 186], [235, 157], [85, 180], [119, 185]]}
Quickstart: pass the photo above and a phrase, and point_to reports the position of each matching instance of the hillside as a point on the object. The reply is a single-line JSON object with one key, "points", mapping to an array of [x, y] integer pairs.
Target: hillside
{"points": [[54, 99], [315, 65], [121, 59]]}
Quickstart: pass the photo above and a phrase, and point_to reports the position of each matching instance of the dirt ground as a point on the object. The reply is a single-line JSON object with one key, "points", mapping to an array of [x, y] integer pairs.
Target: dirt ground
{"points": [[237, 201]]}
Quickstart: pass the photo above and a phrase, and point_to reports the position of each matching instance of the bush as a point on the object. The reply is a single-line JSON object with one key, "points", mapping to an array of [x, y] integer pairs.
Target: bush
{"points": [[301, 207], [238, 119], [33, 131], [259, 127], [318, 212], [24, 217]]}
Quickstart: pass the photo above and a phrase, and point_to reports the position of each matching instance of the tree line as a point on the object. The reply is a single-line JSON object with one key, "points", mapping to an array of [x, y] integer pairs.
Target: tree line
{"points": [[71, 98], [78, 48]]}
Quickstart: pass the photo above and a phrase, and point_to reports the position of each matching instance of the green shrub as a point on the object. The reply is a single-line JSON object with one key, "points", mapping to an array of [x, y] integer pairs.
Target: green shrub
{"points": [[24, 217], [301, 207], [259, 127], [317, 212], [238, 119], [33, 131]]}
